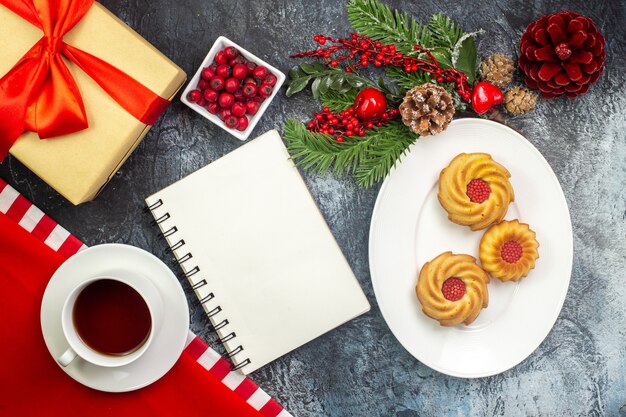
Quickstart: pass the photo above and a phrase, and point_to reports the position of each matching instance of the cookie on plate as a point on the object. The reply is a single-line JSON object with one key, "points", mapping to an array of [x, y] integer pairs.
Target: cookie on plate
{"points": [[452, 289], [475, 190], [508, 250]]}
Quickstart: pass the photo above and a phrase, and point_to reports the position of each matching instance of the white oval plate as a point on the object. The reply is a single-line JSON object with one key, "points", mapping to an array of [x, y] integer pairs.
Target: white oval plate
{"points": [[168, 342], [409, 228]]}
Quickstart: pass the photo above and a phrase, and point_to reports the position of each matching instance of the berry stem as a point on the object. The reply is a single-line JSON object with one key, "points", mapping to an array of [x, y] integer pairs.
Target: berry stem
{"points": [[362, 51], [346, 123]]}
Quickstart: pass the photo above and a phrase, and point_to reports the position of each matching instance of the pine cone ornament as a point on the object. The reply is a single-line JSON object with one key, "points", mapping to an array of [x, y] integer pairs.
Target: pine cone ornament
{"points": [[497, 69], [427, 109], [519, 100], [562, 53]]}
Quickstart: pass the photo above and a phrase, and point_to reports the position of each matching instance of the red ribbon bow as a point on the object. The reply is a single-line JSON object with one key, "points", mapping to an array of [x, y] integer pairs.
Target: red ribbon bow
{"points": [[39, 93]]}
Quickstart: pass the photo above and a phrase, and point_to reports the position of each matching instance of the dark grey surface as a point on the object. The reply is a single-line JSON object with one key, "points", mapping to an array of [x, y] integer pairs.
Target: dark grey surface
{"points": [[360, 369]]}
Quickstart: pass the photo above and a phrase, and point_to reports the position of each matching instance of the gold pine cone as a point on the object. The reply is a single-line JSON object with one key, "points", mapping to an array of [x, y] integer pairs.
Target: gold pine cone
{"points": [[427, 109], [497, 69], [519, 100]]}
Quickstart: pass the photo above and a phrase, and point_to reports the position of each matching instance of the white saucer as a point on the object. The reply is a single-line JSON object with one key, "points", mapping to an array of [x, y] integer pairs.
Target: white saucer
{"points": [[169, 341]]}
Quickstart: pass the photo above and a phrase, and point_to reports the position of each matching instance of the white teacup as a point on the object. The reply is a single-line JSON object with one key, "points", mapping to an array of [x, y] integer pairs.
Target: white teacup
{"points": [[77, 347]]}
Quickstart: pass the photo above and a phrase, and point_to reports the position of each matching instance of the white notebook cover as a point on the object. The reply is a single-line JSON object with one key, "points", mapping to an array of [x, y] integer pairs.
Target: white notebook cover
{"points": [[258, 253]]}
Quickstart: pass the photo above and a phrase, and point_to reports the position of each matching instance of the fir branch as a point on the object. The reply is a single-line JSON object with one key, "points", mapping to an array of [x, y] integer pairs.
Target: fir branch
{"points": [[387, 146], [407, 80], [369, 159], [318, 152], [445, 32], [376, 20], [338, 102]]}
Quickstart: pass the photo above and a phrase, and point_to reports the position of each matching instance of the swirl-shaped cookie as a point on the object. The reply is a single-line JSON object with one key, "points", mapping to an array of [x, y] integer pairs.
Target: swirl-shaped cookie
{"points": [[452, 289], [475, 190], [508, 250]]}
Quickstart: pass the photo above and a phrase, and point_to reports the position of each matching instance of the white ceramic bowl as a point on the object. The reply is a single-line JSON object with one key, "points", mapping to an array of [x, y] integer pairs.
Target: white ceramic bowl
{"points": [[220, 44]]}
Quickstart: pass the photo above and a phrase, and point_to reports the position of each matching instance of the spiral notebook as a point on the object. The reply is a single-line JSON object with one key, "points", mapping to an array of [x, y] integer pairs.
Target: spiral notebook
{"points": [[258, 253]]}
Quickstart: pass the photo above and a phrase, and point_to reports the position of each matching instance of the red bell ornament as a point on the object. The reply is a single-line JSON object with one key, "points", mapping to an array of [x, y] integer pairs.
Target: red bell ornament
{"points": [[562, 53], [370, 104], [484, 96]]}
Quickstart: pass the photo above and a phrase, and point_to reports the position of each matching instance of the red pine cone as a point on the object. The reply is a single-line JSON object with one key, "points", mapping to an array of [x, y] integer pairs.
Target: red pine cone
{"points": [[562, 53]]}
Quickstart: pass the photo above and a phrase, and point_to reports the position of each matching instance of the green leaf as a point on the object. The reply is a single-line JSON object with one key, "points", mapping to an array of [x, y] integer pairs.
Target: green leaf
{"points": [[355, 82], [443, 57], [312, 67], [315, 88], [297, 85], [337, 82], [332, 77], [296, 72], [381, 83], [325, 84], [345, 88], [465, 58]]}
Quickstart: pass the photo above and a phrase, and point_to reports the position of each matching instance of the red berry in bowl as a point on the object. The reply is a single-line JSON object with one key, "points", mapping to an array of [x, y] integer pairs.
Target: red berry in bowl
{"points": [[251, 66], [239, 95], [224, 71], [240, 71], [238, 109], [242, 123], [203, 84], [231, 121], [265, 90], [207, 73], [258, 99], [252, 107], [250, 80], [230, 52], [220, 58], [236, 61], [216, 83], [231, 85], [223, 113], [202, 102], [249, 90], [194, 95], [226, 100], [211, 95], [260, 73], [213, 108], [270, 79]]}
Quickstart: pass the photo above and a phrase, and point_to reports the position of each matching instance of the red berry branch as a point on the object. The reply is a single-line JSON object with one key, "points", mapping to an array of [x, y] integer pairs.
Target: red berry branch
{"points": [[363, 51], [347, 123]]}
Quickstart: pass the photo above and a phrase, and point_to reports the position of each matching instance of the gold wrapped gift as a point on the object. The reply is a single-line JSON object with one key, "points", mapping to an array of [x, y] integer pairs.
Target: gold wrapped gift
{"points": [[79, 165]]}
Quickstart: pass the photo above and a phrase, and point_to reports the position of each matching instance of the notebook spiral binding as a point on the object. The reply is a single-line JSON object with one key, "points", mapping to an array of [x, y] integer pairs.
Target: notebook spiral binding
{"points": [[210, 308]]}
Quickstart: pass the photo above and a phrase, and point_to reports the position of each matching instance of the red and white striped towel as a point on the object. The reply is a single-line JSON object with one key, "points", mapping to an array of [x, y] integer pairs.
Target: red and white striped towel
{"points": [[27, 215]]}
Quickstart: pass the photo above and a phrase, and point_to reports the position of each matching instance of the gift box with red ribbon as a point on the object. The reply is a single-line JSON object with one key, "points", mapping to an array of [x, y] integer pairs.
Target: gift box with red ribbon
{"points": [[79, 90]]}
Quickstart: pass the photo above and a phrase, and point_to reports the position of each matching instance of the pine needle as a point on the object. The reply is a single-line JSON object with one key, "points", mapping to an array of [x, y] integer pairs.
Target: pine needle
{"points": [[338, 102], [445, 32], [376, 20], [407, 80], [368, 159]]}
